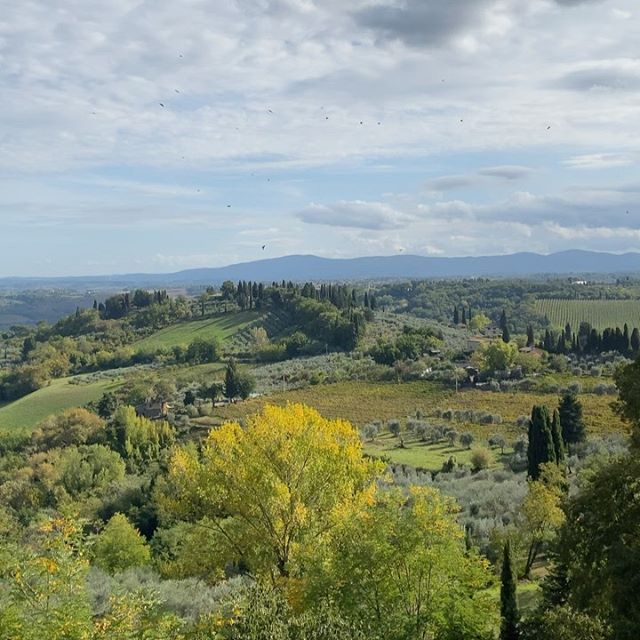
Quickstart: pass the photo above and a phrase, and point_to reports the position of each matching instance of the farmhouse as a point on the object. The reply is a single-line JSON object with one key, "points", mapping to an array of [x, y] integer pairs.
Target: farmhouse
{"points": [[153, 410]]}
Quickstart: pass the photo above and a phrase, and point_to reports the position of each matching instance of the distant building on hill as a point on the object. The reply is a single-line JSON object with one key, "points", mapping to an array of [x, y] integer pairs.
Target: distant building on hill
{"points": [[153, 410]]}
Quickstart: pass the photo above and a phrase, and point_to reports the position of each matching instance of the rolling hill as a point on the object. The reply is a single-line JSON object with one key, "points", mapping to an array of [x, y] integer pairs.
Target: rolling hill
{"points": [[309, 267]]}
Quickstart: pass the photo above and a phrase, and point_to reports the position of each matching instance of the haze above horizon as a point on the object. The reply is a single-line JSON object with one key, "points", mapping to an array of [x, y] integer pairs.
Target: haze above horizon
{"points": [[147, 138]]}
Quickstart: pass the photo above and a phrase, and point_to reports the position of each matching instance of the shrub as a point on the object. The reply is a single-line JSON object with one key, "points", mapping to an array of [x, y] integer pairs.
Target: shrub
{"points": [[575, 387], [480, 458]]}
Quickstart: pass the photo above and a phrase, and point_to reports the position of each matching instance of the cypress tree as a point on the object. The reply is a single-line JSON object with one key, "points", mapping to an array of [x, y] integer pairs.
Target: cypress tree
{"points": [[635, 340], [571, 421], [556, 432], [456, 315], [541, 448], [626, 342], [531, 340], [464, 316], [506, 335], [503, 320], [508, 600], [567, 332]]}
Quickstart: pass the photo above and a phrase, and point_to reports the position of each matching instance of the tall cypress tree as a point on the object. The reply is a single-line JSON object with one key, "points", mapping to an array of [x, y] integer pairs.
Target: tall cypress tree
{"points": [[635, 340], [464, 316], [456, 315], [572, 424], [506, 335], [531, 340], [556, 432], [626, 342], [503, 319], [541, 448], [508, 600]]}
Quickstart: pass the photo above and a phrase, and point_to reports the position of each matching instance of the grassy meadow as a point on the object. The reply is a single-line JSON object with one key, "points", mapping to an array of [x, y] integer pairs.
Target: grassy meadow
{"points": [[24, 414], [180, 335], [427, 456]]}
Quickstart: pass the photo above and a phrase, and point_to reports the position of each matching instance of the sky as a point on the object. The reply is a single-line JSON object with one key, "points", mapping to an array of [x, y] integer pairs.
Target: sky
{"points": [[150, 136]]}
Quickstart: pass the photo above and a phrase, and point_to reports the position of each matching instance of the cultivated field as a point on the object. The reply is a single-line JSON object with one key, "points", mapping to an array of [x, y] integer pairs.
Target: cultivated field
{"points": [[24, 414], [363, 402], [221, 327], [599, 313]]}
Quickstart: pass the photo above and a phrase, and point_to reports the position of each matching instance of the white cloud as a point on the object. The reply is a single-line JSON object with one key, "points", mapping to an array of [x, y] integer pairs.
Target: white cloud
{"points": [[599, 161], [476, 90], [357, 214]]}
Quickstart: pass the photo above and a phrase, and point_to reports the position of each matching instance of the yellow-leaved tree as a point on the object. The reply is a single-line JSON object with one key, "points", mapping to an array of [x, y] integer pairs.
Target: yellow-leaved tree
{"points": [[272, 487]]}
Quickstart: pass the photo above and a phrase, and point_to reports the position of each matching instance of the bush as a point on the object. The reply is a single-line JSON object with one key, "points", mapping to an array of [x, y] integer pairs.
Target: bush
{"points": [[575, 387], [480, 458]]}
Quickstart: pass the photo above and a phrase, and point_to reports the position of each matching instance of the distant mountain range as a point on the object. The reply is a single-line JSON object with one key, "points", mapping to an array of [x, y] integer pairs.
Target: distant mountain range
{"points": [[309, 267]]}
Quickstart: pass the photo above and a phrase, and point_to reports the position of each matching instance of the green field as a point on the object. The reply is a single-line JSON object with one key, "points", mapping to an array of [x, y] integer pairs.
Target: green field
{"points": [[600, 314], [180, 335], [24, 414], [425, 456]]}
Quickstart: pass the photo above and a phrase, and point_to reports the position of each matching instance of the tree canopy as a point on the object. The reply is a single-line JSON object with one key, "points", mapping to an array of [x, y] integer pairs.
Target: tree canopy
{"points": [[273, 486]]}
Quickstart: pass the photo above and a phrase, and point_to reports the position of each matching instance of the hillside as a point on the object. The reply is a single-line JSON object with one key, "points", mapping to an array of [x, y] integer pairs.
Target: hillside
{"points": [[221, 327], [24, 414]]}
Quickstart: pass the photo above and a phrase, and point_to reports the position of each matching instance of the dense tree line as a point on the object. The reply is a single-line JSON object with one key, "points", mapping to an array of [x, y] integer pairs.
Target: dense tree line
{"points": [[588, 340]]}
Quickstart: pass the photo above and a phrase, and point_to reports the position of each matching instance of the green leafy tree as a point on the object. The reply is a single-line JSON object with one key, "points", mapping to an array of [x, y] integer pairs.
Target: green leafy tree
{"points": [[120, 546], [565, 623], [509, 614], [43, 585], [107, 405], [140, 440], [400, 565], [479, 322], [89, 469], [539, 518], [600, 547], [628, 406], [496, 356], [71, 427]]}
